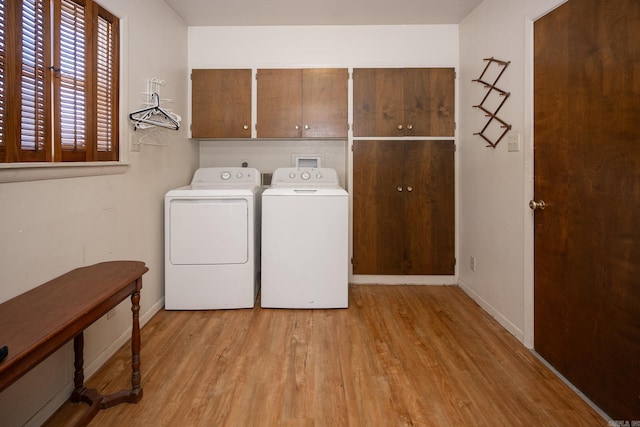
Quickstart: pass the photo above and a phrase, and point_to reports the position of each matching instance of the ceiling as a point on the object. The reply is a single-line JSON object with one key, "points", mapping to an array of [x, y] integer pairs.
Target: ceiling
{"points": [[321, 12]]}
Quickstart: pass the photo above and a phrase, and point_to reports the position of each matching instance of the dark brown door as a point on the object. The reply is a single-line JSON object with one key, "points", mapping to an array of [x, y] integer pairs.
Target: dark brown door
{"points": [[279, 103], [221, 103], [309, 103], [378, 224], [587, 170], [429, 102], [429, 209], [378, 97], [397, 102], [403, 207], [325, 102]]}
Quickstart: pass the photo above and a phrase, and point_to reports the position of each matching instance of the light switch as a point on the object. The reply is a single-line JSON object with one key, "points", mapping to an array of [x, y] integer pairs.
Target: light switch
{"points": [[513, 142]]}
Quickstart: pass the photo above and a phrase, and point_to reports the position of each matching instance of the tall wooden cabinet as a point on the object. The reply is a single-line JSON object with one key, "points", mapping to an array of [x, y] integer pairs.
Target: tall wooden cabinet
{"points": [[403, 185], [221, 103], [399, 102], [307, 103], [403, 207]]}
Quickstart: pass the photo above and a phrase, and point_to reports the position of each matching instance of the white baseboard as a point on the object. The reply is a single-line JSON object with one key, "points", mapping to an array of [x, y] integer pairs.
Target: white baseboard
{"points": [[486, 306], [363, 279]]}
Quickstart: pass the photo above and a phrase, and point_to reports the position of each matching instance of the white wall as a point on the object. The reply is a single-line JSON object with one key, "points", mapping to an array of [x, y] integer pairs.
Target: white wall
{"points": [[496, 225], [268, 155], [51, 226], [323, 46]]}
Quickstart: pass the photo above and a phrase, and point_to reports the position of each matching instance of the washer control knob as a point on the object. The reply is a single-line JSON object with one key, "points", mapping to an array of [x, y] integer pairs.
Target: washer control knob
{"points": [[292, 175], [239, 175], [225, 175], [305, 175], [319, 175]]}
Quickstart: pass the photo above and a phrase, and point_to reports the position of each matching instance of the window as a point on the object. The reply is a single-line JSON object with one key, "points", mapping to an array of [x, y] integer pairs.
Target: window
{"points": [[59, 99]]}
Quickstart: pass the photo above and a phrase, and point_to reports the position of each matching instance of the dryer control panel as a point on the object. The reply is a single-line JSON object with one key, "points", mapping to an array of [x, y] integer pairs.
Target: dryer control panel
{"points": [[305, 176], [208, 177]]}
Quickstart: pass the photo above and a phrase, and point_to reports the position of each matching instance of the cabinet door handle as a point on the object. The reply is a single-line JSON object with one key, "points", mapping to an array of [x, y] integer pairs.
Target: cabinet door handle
{"points": [[306, 127], [297, 127], [245, 127], [399, 127], [399, 188], [409, 189], [409, 127]]}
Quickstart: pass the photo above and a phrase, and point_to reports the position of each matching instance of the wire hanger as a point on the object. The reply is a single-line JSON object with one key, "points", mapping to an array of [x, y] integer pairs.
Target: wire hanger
{"points": [[154, 115]]}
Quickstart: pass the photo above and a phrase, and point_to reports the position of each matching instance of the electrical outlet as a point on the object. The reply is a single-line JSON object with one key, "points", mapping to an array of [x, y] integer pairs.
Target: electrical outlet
{"points": [[111, 313], [472, 263]]}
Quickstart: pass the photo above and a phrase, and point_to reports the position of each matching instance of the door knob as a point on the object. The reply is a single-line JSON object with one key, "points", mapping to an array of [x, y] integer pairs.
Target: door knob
{"points": [[535, 205]]}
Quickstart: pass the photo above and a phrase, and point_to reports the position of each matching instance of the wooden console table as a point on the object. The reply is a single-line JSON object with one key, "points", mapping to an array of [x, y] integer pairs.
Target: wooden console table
{"points": [[37, 323]]}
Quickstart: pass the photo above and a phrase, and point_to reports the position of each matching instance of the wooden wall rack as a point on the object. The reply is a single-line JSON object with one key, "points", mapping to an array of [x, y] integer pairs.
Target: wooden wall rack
{"points": [[491, 88]]}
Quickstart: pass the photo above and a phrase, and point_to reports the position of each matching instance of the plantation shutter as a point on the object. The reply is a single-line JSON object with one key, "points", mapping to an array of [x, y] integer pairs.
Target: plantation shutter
{"points": [[24, 97], [71, 87], [106, 65], [35, 99], [59, 99]]}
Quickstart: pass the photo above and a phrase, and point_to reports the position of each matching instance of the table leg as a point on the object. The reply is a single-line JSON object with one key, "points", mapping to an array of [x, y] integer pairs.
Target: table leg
{"points": [[78, 364], [80, 392], [135, 346], [91, 396]]}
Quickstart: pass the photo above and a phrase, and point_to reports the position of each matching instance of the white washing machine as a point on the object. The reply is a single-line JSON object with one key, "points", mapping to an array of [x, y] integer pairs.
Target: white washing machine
{"points": [[212, 240], [305, 238]]}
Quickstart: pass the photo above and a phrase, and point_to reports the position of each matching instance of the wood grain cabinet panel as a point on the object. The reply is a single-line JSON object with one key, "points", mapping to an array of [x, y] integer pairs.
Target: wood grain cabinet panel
{"points": [[221, 103], [403, 207], [399, 102], [302, 103]]}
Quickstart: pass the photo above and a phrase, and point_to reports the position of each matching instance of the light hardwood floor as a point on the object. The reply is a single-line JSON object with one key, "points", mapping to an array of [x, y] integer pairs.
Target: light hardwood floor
{"points": [[399, 356]]}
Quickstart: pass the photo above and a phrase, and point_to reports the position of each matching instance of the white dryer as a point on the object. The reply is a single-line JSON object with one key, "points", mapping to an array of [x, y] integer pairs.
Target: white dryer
{"points": [[212, 240], [305, 238]]}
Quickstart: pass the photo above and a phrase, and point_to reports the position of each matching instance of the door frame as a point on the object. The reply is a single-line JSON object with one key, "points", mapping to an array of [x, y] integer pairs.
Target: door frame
{"points": [[528, 146]]}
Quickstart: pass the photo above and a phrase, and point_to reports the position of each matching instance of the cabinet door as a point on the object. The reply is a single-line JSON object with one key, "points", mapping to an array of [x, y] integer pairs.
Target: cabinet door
{"points": [[378, 105], [325, 102], [403, 207], [377, 207], [398, 102], [279, 103], [221, 103], [429, 207], [429, 102]]}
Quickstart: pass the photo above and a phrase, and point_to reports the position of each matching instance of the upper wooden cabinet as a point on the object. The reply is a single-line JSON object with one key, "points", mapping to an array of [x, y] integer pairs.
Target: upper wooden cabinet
{"points": [[307, 103], [221, 103], [397, 102]]}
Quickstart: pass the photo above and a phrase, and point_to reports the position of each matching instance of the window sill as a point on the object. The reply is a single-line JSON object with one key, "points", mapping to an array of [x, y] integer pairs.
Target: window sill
{"points": [[21, 172]]}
